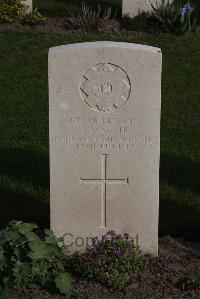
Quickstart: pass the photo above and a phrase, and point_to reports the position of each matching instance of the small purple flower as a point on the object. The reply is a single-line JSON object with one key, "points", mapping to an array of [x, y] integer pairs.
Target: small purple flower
{"points": [[117, 251], [187, 8], [104, 237], [129, 251], [111, 233], [126, 236], [182, 11], [94, 250]]}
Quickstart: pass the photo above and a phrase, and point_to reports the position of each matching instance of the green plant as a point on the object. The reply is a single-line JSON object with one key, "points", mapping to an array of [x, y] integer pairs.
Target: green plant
{"points": [[34, 17], [27, 260], [187, 23], [143, 22], [167, 14], [174, 16], [89, 18], [111, 261], [10, 10], [191, 283]]}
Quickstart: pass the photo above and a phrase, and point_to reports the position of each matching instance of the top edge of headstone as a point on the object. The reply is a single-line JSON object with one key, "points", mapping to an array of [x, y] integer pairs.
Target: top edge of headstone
{"points": [[105, 44]]}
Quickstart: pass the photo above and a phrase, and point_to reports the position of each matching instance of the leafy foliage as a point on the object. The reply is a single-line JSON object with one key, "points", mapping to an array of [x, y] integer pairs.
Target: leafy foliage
{"points": [[34, 17], [63, 283], [12, 10], [90, 19], [27, 260], [111, 261], [175, 16], [143, 22], [190, 283]]}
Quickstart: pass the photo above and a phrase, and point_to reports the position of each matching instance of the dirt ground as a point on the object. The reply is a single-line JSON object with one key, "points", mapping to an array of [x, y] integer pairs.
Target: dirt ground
{"points": [[59, 25], [163, 277]]}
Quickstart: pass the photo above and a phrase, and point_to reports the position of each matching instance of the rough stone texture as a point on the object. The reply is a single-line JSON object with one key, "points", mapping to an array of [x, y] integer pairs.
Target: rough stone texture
{"points": [[131, 8], [104, 124]]}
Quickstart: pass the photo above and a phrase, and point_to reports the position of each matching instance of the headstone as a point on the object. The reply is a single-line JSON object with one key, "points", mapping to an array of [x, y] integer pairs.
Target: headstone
{"points": [[104, 123], [131, 8], [28, 4]]}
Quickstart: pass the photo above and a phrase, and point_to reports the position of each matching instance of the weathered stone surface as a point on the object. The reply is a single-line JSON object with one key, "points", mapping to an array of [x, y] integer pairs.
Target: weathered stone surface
{"points": [[29, 5], [104, 141], [131, 8]]}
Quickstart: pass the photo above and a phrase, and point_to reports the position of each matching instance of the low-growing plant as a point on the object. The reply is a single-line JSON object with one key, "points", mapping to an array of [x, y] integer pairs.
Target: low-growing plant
{"points": [[190, 283], [143, 22], [175, 16], [89, 18], [187, 22], [113, 260], [16, 10], [29, 260], [33, 18], [10, 10]]}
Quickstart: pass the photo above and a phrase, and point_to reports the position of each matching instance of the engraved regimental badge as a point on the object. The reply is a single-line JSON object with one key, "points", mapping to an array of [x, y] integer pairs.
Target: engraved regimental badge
{"points": [[105, 87]]}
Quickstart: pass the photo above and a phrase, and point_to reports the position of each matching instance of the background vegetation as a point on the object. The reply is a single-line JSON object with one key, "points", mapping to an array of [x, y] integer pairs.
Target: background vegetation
{"points": [[69, 7]]}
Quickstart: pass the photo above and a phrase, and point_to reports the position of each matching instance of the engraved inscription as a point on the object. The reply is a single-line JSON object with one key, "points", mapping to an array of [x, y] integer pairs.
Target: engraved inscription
{"points": [[105, 87], [104, 121], [105, 134], [104, 181]]}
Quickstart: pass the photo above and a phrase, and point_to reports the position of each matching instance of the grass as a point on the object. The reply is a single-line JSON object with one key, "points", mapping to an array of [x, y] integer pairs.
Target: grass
{"points": [[24, 158], [69, 7]]}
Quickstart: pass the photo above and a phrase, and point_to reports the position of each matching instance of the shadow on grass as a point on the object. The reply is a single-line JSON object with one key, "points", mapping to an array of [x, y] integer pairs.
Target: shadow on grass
{"points": [[182, 173], [31, 166], [179, 207], [178, 219], [20, 205], [24, 191], [24, 186]]}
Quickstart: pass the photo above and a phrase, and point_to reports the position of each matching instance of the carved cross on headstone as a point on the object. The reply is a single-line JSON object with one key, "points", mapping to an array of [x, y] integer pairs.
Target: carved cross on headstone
{"points": [[104, 181]]}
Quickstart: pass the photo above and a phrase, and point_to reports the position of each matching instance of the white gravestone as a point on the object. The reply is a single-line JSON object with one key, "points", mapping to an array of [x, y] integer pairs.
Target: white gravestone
{"points": [[104, 124], [28, 4], [131, 8]]}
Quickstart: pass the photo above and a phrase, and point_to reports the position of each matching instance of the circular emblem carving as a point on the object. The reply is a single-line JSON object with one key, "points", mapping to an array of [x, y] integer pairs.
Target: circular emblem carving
{"points": [[105, 87]]}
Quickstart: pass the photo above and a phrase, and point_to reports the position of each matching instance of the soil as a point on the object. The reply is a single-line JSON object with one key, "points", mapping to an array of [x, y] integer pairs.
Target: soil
{"points": [[59, 25], [160, 277]]}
